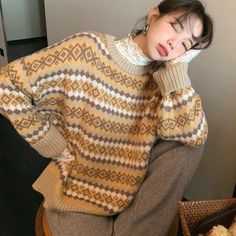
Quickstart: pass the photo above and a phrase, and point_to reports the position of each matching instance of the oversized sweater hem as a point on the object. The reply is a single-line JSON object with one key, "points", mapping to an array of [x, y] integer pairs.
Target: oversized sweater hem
{"points": [[50, 185]]}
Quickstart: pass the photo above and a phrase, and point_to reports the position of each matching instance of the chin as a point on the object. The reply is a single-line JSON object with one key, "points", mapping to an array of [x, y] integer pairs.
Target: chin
{"points": [[160, 59], [156, 57]]}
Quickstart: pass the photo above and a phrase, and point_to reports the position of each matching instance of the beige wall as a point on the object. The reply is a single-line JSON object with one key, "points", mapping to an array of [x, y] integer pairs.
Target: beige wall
{"points": [[108, 16], [213, 75]]}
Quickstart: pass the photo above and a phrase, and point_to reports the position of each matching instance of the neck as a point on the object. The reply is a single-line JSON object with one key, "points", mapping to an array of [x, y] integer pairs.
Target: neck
{"points": [[140, 40]]}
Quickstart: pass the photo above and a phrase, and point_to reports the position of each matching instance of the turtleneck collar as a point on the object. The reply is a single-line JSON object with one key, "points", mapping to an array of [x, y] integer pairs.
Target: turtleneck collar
{"points": [[131, 51], [121, 60]]}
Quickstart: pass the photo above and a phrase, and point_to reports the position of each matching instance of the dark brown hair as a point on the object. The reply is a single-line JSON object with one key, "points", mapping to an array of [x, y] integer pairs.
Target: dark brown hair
{"points": [[187, 7]]}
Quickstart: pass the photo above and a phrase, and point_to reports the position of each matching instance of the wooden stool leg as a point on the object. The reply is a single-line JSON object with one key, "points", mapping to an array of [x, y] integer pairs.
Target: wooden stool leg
{"points": [[41, 225]]}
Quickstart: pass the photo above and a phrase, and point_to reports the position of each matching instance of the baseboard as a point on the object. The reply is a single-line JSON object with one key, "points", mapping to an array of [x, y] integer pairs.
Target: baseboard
{"points": [[234, 193], [28, 40]]}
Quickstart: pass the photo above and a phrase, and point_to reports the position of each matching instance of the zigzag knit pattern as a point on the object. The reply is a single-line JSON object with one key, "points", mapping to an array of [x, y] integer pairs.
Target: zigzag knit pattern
{"points": [[80, 94]]}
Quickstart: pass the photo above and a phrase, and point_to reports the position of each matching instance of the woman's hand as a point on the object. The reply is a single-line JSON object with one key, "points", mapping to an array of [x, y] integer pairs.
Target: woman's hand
{"points": [[65, 156]]}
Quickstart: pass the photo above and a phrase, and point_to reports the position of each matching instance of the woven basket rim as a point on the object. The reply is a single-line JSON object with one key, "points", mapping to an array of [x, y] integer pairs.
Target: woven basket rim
{"points": [[208, 200], [192, 212]]}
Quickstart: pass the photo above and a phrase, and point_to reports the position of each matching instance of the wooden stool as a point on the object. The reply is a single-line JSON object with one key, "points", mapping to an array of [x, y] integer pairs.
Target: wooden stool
{"points": [[41, 224]]}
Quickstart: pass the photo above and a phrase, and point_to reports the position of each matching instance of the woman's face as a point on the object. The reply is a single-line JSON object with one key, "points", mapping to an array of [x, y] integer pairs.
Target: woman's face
{"points": [[167, 37]]}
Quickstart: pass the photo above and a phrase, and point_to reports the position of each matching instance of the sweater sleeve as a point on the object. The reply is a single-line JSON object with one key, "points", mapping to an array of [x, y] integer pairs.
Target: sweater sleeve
{"points": [[16, 100], [180, 114]]}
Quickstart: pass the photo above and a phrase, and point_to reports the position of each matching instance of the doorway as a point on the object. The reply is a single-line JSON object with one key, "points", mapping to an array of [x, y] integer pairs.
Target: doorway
{"points": [[3, 47], [24, 27]]}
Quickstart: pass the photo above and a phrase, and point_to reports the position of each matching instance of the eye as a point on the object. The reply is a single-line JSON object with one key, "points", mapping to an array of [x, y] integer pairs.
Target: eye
{"points": [[176, 26], [173, 25], [185, 47]]}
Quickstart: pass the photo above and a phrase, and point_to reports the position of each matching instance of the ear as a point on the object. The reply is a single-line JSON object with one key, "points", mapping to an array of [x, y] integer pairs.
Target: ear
{"points": [[153, 13]]}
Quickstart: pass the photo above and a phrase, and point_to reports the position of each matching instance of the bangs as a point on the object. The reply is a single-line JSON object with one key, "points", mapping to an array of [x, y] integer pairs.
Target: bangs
{"points": [[206, 37]]}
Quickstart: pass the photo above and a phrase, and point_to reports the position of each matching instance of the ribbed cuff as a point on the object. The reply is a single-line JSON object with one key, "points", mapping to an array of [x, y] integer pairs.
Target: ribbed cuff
{"points": [[51, 145], [172, 78]]}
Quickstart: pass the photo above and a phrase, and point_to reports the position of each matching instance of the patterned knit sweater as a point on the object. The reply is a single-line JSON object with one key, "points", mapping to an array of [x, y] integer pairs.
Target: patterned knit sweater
{"points": [[82, 95]]}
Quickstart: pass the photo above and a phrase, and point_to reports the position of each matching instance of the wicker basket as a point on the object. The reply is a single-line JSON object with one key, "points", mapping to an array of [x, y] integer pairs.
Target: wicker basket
{"points": [[191, 213]]}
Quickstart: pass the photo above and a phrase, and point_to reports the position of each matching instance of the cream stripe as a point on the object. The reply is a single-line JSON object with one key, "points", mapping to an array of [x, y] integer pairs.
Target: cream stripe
{"points": [[40, 134], [91, 155], [52, 144], [107, 106], [103, 46], [11, 92], [89, 81], [194, 136], [175, 102], [16, 108], [109, 144], [109, 157], [101, 191]]}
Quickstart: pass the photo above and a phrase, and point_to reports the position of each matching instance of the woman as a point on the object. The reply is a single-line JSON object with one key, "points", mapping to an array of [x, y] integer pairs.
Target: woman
{"points": [[92, 104]]}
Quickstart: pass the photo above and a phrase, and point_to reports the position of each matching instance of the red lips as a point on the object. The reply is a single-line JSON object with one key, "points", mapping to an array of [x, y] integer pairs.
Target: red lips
{"points": [[162, 50]]}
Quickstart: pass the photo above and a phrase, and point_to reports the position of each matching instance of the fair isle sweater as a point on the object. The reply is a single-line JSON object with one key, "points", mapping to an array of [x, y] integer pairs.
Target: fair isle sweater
{"points": [[83, 96]]}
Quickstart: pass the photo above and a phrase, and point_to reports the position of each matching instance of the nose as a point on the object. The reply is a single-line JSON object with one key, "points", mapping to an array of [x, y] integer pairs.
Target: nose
{"points": [[171, 43]]}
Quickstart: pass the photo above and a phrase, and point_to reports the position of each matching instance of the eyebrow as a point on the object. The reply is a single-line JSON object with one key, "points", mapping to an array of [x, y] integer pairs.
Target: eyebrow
{"points": [[182, 27]]}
